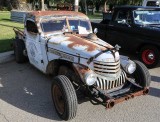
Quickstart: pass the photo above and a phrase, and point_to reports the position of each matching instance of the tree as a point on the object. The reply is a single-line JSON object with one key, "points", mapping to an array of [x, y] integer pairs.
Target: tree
{"points": [[83, 5], [42, 5]]}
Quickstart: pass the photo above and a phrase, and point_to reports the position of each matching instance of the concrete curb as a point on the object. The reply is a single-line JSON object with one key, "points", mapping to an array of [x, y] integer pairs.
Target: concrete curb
{"points": [[6, 56]]}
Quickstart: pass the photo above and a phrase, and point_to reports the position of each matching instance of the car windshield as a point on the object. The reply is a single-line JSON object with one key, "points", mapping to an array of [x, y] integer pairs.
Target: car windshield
{"points": [[61, 25], [144, 17]]}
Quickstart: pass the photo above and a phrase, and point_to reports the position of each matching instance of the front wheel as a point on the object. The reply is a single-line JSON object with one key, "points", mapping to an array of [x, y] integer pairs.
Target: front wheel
{"points": [[64, 97], [142, 75], [150, 56]]}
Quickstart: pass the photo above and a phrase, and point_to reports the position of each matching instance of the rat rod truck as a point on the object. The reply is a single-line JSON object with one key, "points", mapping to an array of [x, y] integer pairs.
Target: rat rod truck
{"points": [[136, 29], [61, 43]]}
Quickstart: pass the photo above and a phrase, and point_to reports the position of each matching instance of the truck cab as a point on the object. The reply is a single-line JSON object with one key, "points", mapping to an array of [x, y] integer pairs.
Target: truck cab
{"points": [[155, 3]]}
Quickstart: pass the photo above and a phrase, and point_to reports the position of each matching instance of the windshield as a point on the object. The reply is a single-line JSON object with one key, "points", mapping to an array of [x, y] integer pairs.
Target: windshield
{"points": [[146, 17], [61, 25]]}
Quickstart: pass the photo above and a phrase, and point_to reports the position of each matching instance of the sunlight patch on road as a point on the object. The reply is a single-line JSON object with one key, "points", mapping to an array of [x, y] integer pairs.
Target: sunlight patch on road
{"points": [[27, 92], [1, 85]]}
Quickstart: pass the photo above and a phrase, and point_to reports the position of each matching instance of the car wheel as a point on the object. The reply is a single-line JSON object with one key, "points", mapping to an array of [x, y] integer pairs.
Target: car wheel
{"points": [[64, 97], [142, 75], [150, 56], [19, 47]]}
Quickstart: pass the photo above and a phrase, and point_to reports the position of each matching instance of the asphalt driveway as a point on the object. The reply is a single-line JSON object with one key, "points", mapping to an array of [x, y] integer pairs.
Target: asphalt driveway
{"points": [[25, 96]]}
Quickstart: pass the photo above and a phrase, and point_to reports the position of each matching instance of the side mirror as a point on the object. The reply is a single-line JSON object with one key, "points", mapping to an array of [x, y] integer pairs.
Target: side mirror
{"points": [[95, 31]]}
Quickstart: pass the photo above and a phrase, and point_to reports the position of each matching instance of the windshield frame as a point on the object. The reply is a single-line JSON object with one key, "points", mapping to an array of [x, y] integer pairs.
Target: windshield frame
{"points": [[67, 24]]}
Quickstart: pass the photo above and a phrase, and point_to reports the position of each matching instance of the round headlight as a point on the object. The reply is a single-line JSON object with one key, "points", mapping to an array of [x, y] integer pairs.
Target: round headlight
{"points": [[131, 67], [117, 57], [90, 79]]}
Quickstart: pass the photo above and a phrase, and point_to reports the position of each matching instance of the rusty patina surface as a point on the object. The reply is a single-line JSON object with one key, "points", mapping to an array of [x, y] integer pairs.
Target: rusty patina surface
{"points": [[111, 102], [77, 41], [38, 14]]}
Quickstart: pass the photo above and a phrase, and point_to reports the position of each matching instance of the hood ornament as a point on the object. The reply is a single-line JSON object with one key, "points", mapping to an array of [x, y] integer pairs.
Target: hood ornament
{"points": [[117, 47]]}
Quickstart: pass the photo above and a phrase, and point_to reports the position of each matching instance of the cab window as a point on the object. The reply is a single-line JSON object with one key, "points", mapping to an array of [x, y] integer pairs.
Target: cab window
{"points": [[152, 3], [31, 27], [123, 14]]}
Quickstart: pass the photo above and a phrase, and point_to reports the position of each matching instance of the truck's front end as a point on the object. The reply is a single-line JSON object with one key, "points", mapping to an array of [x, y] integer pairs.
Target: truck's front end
{"points": [[114, 78]]}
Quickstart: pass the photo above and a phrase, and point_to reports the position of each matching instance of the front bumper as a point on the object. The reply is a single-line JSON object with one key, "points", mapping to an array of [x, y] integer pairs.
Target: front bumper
{"points": [[111, 100]]}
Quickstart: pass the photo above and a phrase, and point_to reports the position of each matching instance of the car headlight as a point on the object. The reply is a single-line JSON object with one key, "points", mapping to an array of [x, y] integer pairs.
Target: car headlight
{"points": [[90, 78], [117, 57], [130, 67]]}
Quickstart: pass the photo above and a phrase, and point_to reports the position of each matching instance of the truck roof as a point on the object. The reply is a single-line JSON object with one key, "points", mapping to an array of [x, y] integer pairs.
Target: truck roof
{"points": [[137, 8], [41, 14]]}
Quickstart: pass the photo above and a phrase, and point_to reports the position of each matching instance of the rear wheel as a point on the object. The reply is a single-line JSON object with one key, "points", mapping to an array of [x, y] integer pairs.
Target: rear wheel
{"points": [[150, 56], [19, 47], [64, 97]]}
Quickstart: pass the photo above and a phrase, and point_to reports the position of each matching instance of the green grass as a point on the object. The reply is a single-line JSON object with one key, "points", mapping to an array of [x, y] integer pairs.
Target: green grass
{"points": [[6, 31], [95, 16]]}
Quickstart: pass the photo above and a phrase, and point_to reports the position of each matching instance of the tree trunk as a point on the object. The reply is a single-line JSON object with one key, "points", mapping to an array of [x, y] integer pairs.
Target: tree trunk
{"points": [[42, 5], [86, 9], [9, 4], [1, 2], [76, 5], [83, 5], [105, 5], [93, 7]]}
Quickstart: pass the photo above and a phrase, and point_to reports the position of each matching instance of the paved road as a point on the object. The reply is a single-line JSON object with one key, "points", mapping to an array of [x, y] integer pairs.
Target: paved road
{"points": [[25, 97]]}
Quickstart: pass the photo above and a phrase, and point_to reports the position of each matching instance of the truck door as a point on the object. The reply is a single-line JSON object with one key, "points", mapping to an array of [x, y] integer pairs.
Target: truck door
{"points": [[33, 44], [119, 32]]}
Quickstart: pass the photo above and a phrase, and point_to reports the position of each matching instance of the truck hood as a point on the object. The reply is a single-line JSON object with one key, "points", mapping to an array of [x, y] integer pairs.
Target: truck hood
{"points": [[84, 46]]}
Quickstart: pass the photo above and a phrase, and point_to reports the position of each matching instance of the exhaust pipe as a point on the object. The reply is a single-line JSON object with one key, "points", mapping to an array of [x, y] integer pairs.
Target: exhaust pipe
{"points": [[146, 91], [110, 104]]}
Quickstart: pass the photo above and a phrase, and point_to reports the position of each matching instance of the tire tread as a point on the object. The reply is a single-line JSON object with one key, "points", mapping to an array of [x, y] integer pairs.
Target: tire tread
{"points": [[70, 95]]}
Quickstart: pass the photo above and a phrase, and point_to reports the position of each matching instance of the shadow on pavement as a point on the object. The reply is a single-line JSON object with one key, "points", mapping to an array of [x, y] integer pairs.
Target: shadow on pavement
{"points": [[155, 79], [27, 89], [154, 92]]}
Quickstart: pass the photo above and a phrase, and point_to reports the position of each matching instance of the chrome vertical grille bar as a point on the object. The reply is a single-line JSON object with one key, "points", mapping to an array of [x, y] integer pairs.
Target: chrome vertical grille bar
{"points": [[105, 84]]}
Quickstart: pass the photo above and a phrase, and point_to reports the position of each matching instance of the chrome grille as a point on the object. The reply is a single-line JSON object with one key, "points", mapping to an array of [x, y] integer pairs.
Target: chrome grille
{"points": [[105, 84], [105, 69]]}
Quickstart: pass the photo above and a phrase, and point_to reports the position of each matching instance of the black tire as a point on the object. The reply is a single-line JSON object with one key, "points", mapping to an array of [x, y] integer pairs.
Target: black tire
{"points": [[142, 75], [152, 60], [64, 97], [19, 47]]}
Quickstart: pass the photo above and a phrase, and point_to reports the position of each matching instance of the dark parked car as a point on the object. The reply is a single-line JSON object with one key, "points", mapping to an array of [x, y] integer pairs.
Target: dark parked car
{"points": [[136, 29]]}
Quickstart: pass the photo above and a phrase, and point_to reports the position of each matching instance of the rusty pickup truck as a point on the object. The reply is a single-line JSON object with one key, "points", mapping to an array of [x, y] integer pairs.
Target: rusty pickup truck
{"points": [[61, 43]]}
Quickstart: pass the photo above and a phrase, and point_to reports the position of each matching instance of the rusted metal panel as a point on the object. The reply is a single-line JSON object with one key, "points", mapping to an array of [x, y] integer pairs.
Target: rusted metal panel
{"points": [[111, 102], [56, 13], [77, 41]]}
